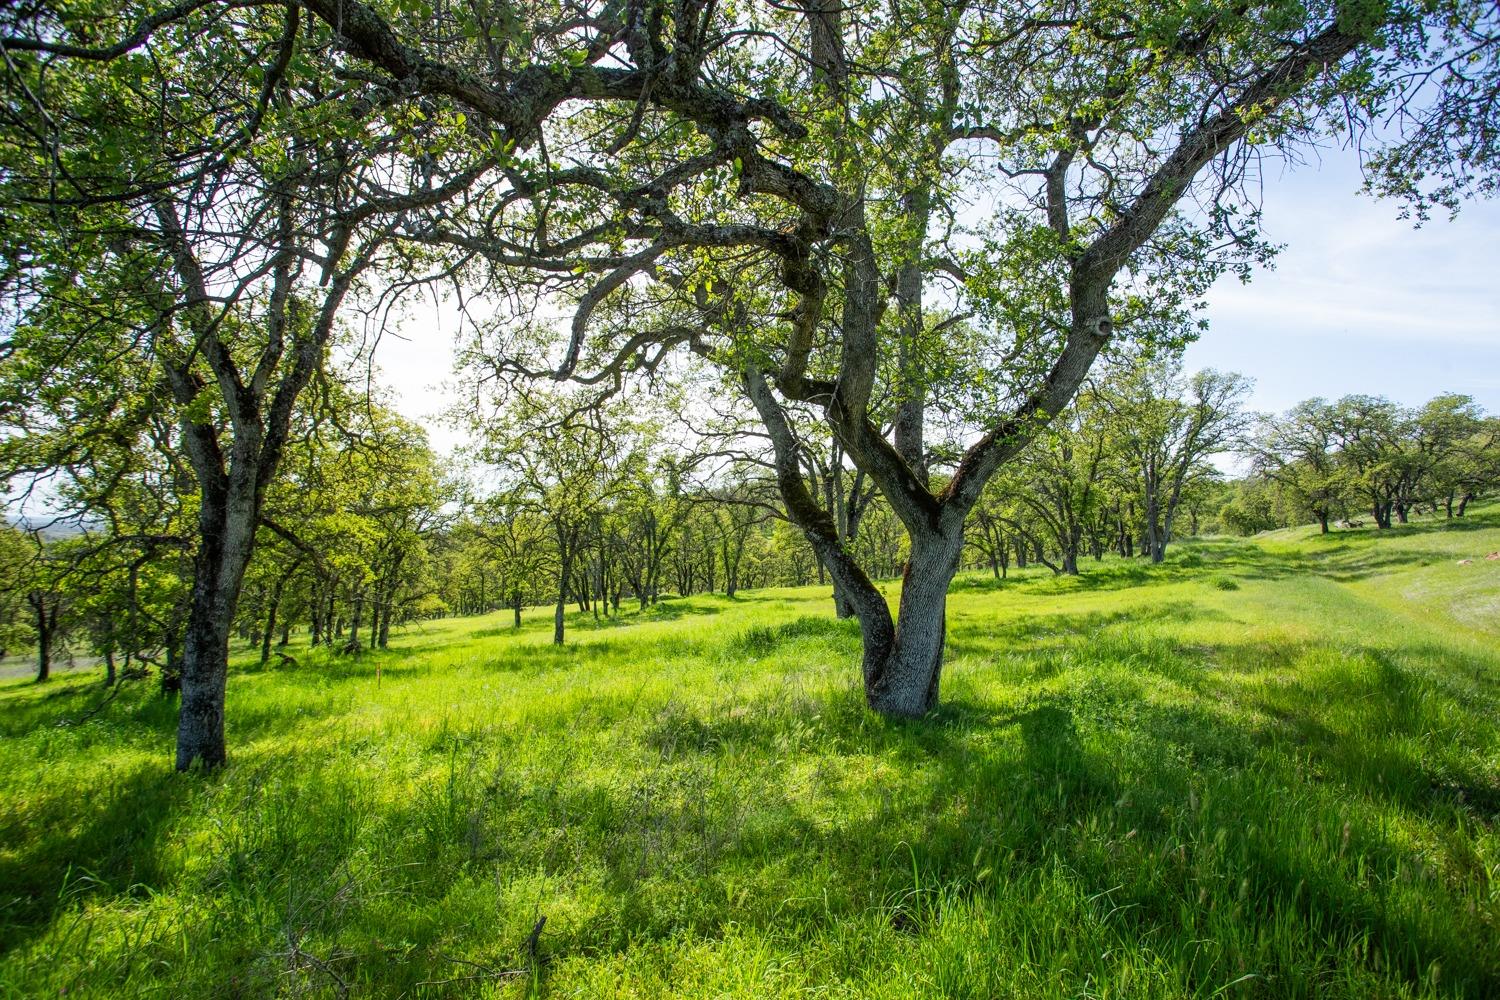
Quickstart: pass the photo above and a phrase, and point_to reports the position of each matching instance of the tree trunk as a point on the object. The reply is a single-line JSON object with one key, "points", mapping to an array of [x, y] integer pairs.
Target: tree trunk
{"points": [[843, 607], [270, 631], [45, 625], [564, 570], [1323, 522], [223, 553], [902, 676], [171, 670], [515, 605], [377, 605], [110, 676], [272, 607], [352, 646]]}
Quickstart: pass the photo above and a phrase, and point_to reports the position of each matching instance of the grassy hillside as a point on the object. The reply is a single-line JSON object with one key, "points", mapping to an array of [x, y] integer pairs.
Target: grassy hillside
{"points": [[1267, 768]]}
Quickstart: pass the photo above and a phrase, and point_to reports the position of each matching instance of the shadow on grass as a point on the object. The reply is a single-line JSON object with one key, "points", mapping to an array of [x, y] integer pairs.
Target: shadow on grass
{"points": [[1253, 815], [1314, 812], [1249, 813], [104, 845]]}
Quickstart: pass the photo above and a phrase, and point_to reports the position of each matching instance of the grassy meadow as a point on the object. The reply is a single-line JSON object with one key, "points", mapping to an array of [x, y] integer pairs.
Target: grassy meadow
{"points": [[1266, 768]]}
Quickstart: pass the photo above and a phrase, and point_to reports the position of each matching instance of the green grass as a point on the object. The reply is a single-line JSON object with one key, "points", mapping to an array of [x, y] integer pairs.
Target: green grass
{"points": [[1267, 768]]}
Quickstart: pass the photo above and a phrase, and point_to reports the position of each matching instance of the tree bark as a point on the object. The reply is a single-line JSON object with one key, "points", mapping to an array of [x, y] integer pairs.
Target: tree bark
{"points": [[226, 524], [272, 607], [46, 613], [385, 621], [902, 677]]}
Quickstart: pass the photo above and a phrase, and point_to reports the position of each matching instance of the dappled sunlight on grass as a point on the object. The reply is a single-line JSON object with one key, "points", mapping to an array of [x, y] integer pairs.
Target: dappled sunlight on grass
{"points": [[1264, 768]]}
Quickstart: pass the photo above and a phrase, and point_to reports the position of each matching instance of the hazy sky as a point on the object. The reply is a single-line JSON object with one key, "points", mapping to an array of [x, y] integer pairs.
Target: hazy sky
{"points": [[1359, 301]]}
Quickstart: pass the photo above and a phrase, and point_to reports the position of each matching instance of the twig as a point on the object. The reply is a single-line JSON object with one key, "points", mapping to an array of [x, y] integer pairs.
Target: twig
{"points": [[86, 716]]}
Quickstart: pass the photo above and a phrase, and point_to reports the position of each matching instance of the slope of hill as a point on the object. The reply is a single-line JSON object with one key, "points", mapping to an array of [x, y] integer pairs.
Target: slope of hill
{"points": [[1266, 768]]}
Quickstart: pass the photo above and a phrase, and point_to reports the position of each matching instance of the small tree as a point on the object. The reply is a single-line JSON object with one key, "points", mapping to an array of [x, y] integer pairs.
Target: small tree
{"points": [[1167, 425]]}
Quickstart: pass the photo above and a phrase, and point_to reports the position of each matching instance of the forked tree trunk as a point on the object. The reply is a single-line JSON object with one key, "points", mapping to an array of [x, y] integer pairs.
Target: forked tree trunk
{"points": [[903, 672]]}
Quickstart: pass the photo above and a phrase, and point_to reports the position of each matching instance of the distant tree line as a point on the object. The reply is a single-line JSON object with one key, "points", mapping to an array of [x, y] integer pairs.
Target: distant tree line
{"points": [[366, 530], [1118, 471], [1365, 459]]}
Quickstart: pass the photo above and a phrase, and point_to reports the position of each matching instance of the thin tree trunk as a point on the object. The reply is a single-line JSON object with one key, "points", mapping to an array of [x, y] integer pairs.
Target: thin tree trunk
{"points": [[45, 625], [385, 620], [352, 646], [272, 607], [564, 571], [270, 631], [171, 671]]}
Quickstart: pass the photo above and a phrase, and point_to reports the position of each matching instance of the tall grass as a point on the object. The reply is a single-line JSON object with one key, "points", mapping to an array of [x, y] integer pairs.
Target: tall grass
{"points": [[1142, 783]]}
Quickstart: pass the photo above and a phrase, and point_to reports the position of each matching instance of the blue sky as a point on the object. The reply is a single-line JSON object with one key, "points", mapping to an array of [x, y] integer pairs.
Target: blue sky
{"points": [[1359, 301]]}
